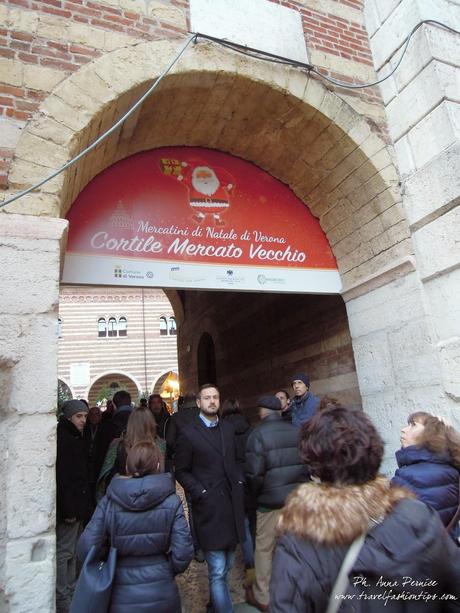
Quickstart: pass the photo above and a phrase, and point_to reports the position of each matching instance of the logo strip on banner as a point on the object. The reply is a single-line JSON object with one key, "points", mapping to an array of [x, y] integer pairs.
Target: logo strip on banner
{"points": [[188, 217]]}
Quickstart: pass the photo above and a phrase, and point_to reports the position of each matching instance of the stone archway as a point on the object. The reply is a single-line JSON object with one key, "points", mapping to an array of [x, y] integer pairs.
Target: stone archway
{"points": [[287, 123], [112, 382]]}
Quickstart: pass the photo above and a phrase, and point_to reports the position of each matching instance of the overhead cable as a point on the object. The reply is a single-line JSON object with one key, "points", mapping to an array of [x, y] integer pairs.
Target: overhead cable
{"points": [[103, 136], [244, 50], [277, 59]]}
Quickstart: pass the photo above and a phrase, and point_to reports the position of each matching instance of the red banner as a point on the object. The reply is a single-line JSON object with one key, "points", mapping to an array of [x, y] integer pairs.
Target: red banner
{"points": [[193, 206]]}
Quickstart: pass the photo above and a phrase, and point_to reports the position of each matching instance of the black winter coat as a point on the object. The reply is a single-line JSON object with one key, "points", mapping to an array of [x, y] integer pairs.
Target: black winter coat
{"points": [[146, 522], [273, 466], [410, 545], [73, 494], [207, 469], [242, 431]]}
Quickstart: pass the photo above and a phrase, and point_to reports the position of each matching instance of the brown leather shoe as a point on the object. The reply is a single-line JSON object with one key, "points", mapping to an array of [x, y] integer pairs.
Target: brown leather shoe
{"points": [[251, 599]]}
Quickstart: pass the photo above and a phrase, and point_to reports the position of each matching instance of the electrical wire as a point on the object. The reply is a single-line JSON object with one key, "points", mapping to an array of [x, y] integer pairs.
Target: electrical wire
{"points": [[406, 44], [103, 136], [243, 50], [269, 57]]}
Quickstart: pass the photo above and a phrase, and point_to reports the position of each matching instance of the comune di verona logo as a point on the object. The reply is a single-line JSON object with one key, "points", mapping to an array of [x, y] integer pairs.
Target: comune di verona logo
{"points": [[117, 272]]}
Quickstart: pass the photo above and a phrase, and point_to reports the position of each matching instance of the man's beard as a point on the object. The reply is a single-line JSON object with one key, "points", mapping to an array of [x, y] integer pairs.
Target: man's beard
{"points": [[208, 187], [210, 411]]}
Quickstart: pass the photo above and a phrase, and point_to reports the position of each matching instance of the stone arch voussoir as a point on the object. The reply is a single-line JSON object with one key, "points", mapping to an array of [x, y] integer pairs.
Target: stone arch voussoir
{"points": [[285, 121]]}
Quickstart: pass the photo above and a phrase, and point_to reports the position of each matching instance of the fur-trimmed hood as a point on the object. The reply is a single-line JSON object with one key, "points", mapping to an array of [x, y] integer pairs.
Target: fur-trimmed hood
{"points": [[336, 515], [406, 555]]}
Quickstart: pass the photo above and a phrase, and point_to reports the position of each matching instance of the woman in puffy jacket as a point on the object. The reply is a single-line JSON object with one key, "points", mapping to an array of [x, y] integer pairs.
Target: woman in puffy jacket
{"points": [[429, 464], [145, 521], [406, 563]]}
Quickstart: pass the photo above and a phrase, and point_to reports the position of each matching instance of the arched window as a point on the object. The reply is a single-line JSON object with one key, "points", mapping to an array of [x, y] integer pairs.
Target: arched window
{"points": [[59, 327], [163, 326], [172, 326], [122, 326], [206, 360], [112, 326], [101, 327]]}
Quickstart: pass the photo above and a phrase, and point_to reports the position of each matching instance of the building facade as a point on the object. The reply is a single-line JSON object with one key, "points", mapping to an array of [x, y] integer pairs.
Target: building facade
{"points": [[115, 338], [376, 164]]}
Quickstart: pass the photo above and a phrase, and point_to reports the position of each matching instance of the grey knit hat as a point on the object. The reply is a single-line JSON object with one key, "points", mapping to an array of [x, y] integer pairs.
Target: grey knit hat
{"points": [[70, 407]]}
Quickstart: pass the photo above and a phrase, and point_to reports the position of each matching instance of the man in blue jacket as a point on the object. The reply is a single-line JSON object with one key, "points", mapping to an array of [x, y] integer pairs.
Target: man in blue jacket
{"points": [[303, 405]]}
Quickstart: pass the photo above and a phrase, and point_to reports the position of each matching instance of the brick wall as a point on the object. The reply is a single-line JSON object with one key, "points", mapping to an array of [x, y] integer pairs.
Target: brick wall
{"points": [[43, 41], [81, 307], [261, 340]]}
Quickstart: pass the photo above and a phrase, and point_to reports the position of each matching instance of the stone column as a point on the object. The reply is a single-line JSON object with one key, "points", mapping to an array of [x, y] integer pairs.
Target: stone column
{"points": [[422, 105], [30, 252]]}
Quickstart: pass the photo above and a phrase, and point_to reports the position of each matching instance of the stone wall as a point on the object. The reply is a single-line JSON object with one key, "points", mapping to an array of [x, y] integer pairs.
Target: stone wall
{"points": [[261, 340], [30, 255], [70, 68], [422, 105], [42, 42]]}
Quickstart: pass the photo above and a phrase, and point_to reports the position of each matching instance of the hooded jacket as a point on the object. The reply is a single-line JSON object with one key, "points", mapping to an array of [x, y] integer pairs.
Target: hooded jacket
{"points": [[406, 565], [145, 521], [431, 477]]}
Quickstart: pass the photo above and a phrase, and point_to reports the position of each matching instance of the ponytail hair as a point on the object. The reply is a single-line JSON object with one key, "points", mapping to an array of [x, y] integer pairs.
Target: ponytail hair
{"points": [[143, 459]]}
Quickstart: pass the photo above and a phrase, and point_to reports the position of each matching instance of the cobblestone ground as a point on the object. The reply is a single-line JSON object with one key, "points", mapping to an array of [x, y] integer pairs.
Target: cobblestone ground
{"points": [[193, 584]]}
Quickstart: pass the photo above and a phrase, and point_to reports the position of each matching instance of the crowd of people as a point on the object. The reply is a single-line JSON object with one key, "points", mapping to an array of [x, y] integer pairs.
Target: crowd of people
{"points": [[300, 491]]}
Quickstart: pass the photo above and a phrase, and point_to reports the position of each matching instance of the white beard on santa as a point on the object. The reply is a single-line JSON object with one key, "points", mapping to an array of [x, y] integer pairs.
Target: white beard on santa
{"points": [[208, 196]]}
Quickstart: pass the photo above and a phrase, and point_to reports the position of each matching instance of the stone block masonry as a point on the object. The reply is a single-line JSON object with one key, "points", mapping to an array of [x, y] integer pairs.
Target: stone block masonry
{"points": [[30, 254]]}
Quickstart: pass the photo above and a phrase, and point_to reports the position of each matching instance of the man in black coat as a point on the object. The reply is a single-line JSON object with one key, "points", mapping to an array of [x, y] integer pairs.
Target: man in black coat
{"points": [[273, 469], [207, 468], [74, 501]]}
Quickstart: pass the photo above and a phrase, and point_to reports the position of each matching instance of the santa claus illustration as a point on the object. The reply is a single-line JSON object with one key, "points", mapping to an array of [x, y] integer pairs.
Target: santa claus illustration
{"points": [[209, 190]]}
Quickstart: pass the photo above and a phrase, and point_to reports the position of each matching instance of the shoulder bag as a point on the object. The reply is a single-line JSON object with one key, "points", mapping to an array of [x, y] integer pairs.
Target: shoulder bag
{"points": [[341, 583], [94, 586]]}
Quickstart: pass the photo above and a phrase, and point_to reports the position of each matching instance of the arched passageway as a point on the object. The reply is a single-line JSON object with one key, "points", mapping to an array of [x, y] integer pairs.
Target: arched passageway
{"points": [[334, 159], [254, 343], [106, 386]]}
